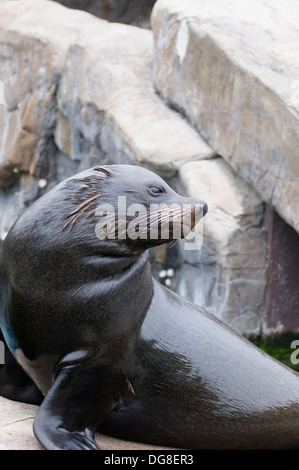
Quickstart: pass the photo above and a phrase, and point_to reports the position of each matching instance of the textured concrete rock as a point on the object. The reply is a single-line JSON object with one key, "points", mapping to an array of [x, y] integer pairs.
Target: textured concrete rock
{"points": [[232, 68], [32, 57], [16, 420], [87, 97], [78, 92], [231, 274], [107, 104]]}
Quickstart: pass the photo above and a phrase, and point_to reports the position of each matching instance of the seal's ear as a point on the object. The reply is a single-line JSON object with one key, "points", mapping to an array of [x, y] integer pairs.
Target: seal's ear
{"points": [[103, 170]]}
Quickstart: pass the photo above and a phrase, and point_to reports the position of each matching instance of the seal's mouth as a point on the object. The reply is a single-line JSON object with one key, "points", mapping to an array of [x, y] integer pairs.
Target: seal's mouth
{"points": [[205, 208], [191, 217]]}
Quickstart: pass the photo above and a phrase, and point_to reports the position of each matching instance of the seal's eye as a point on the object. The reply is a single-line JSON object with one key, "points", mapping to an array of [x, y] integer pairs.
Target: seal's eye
{"points": [[155, 190]]}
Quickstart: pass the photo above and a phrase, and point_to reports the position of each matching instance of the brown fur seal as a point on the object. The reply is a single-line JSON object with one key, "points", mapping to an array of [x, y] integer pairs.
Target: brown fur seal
{"points": [[110, 348]]}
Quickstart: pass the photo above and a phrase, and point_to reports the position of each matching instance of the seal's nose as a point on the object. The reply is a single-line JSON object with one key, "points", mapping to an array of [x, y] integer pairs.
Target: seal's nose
{"points": [[204, 207]]}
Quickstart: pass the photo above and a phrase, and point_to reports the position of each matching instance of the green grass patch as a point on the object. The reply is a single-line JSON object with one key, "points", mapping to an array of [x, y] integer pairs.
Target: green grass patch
{"points": [[279, 347], [283, 355]]}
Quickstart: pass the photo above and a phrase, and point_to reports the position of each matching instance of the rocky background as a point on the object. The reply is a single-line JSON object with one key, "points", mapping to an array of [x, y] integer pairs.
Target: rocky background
{"points": [[204, 93]]}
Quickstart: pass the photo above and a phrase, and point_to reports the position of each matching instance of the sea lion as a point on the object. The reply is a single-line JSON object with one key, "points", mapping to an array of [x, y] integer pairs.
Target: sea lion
{"points": [[110, 348]]}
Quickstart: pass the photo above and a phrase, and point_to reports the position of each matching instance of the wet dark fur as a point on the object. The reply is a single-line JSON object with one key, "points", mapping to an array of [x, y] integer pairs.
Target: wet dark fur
{"points": [[109, 348]]}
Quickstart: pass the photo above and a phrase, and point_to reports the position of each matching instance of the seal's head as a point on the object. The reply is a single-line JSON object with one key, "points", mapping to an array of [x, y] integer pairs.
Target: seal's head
{"points": [[130, 208], [77, 266]]}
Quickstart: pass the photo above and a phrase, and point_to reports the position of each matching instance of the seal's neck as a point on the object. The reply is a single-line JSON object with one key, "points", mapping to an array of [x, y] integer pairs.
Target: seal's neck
{"points": [[122, 280], [113, 267]]}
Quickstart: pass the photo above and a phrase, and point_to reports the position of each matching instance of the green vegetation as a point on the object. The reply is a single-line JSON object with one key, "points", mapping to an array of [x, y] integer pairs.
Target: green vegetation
{"points": [[279, 347], [283, 355]]}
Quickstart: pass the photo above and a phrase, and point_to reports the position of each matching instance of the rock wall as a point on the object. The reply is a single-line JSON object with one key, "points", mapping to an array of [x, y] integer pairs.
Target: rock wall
{"points": [[233, 261], [78, 92], [232, 68]]}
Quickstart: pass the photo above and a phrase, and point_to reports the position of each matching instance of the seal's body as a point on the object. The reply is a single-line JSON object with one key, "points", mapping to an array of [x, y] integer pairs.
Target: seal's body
{"points": [[110, 348]]}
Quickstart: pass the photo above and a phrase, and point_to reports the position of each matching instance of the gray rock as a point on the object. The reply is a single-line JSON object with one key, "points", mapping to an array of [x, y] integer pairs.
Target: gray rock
{"points": [[78, 92], [229, 274], [232, 68]]}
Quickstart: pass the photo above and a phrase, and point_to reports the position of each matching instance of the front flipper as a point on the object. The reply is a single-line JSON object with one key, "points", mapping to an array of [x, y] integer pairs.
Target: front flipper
{"points": [[77, 403]]}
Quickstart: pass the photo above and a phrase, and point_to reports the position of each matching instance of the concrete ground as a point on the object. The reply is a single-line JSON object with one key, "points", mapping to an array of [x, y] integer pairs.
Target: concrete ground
{"points": [[16, 420]]}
